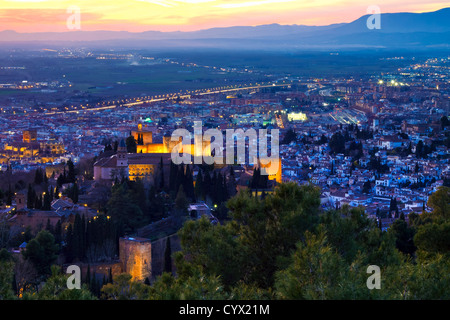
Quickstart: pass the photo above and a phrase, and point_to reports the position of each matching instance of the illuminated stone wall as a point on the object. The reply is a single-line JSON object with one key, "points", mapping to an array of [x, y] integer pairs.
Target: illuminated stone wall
{"points": [[136, 257], [140, 171], [144, 135], [274, 170], [29, 136], [168, 145]]}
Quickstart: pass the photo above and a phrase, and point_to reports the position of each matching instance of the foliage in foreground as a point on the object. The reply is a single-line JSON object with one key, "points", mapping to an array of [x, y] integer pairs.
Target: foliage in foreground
{"points": [[284, 247]]}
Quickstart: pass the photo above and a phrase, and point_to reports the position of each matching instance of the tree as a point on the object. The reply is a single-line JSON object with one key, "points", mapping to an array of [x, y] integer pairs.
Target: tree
{"points": [[6, 275], [393, 207], [168, 257], [73, 192], [123, 209], [39, 176], [161, 175], [189, 184], [38, 202], [420, 149], [315, 272], [47, 202], [41, 251], [439, 201], [198, 286], [337, 143], [71, 175], [198, 189], [444, 122], [9, 195], [433, 238], [31, 197], [131, 144], [289, 137], [367, 187], [78, 238], [259, 235], [284, 246], [124, 288], [404, 236], [55, 288], [181, 201]]}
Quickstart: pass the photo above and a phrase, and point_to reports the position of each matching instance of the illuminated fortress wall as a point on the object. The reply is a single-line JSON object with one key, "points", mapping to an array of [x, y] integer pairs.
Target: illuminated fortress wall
{"points": [[146, 145], [136, 257], [273, 169], [141, 171], [143, 258]]}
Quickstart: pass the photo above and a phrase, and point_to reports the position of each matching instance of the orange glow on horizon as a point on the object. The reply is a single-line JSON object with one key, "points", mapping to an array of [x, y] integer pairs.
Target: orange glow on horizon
{"points": [[190, 15]]}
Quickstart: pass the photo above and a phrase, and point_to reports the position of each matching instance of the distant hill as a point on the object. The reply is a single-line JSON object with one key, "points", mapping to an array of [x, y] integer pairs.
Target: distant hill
{"points": [[423, 31]]}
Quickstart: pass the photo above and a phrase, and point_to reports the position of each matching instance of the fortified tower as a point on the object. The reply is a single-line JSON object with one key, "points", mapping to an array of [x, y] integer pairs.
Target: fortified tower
{"points": [[136, 257], [122, 155]]}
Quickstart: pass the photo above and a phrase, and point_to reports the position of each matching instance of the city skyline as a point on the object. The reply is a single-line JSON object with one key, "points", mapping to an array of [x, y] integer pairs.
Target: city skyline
{"points": [[225, 151]]}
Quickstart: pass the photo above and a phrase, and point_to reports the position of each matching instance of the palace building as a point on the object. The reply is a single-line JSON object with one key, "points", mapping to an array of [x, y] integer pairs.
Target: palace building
{"points": [[145, 144], [129, 165], [145, 162], [32, 150]]}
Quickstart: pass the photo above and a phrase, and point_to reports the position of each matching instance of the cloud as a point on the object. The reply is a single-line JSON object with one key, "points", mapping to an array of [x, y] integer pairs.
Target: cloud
{"points": [[25, 0], [163, 3], [173, 3], [249, 4], [39, 16]]}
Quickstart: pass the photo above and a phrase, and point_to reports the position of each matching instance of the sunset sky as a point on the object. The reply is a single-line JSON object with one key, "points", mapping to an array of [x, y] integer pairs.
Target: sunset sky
{"points": [[189, 15]]}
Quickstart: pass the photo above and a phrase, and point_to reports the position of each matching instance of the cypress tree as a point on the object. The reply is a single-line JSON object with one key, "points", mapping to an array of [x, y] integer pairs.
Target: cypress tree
{"points": [[225, 189], [207, 182], [198, 189], [38, 203], [49, 227], [83, 236], [88, 277], [161, 175], [172, 177], [58, 230], [168, 257], [110, 277], [38, 177], [189, 183], [180, 177], [30, 197], [70, 243], [77, 238], [47, 205], [214, 190], [219, 188], [75, 193], [9, 197], [71, 175]]}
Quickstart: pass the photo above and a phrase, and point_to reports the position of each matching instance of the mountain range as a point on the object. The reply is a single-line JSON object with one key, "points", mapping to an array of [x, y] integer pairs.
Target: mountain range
{"points": [[413, 31]]}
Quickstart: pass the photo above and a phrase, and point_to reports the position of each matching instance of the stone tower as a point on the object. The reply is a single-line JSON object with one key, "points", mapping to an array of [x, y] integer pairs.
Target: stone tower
{"points": [[122, 155], [21, 201], [136, 257]]}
